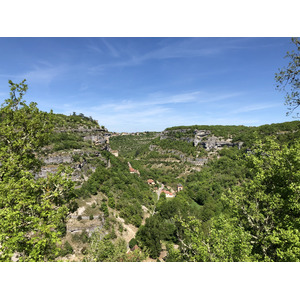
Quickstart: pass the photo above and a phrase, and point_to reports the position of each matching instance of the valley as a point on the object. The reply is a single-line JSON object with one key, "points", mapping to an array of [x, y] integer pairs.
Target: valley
{"points": [[127, 185]]}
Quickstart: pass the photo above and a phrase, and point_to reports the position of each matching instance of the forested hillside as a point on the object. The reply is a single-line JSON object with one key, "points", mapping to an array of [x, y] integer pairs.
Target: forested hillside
{"points": [[71, 190], [192, 225]]}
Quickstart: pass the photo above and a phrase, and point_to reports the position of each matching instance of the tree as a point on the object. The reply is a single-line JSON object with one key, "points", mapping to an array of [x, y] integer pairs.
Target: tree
{"points": [[31, 209], [225, 241], [261, 217], [267, 205], [288, 78], [102, 249], [149, 236]]}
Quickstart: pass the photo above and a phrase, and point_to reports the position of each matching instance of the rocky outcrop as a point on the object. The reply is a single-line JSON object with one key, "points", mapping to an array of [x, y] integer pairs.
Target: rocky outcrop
{"points": [[45, 170], [211, 142], [96, 139], [58, 158], [201, 137], [197, 161]]}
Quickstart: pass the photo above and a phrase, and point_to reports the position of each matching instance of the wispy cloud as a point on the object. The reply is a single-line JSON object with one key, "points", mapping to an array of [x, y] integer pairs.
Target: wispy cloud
{"points": [[94, 48], [171, 49], [45, 74], [155, 111], [40, 73], [111, 48], [255, 107], [162, 99], [103, 46]]}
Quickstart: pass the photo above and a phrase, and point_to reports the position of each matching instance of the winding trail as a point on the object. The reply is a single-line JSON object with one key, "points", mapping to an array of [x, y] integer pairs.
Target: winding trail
{"points": [[159, 190], [131, 230]]}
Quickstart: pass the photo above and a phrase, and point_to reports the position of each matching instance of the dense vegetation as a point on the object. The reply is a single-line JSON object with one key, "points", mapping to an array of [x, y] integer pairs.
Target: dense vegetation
{"points": [[130, 146], [242, 206], [32, 211], [123, 191], [240, 201], [75, 121]]}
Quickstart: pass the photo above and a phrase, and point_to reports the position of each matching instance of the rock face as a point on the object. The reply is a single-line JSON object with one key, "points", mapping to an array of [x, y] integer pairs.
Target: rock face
{"points": [[203, 138], [97, 139], [200, 137], [58, 158], [45, 170]]}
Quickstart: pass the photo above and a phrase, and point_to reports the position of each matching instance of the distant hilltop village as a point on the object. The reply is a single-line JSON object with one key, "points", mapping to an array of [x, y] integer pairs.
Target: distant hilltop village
{"points": [[129, 133]]}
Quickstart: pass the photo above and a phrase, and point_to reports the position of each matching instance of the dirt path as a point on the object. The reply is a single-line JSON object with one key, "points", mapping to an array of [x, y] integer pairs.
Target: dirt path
{"points": [[159, 191], [80, 211], [130, 230]]}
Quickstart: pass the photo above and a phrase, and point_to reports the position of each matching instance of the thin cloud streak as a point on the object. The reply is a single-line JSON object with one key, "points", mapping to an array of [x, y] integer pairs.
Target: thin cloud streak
{"points": [[45, 75], [139, 115], [110, 47], [161, 99], [255, 107], [187, 48]]}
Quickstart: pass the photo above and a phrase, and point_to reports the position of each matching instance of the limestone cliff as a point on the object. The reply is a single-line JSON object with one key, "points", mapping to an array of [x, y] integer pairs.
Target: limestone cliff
{"points": [[199, 137]]}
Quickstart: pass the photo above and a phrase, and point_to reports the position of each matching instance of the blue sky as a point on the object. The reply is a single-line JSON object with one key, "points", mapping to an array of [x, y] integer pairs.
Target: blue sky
{"points": [[138, 84]]}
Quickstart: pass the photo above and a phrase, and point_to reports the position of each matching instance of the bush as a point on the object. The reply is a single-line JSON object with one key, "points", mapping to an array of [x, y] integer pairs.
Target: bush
{"points": [[132, 243], [67, 249], [62, 228], [111, 202], [104, 209], [121, 228]]}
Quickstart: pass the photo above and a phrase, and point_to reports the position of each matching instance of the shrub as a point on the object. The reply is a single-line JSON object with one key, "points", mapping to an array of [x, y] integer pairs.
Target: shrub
{"points": [[67, 249], [132, 243], [111, 202], [104, 209], [62, 228], [121, 228]]}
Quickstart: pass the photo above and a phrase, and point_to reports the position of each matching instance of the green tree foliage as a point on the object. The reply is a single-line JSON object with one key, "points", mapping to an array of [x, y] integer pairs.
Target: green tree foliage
{"points": [[125, 192], [74, 121], [67, 249], [131, 146], [267, 205], [162, 226], [288, 78], [207, 186], [111, 202], [31, 210], [24, 130], [225, 241], [261, 216], [104, 209], [132, 243], [149, 236], [102, 249], [179, 145]]}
